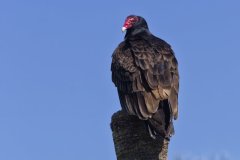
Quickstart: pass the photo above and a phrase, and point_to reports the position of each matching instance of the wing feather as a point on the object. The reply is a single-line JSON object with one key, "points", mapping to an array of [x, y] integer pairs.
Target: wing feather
{"points": [[145, 72]]}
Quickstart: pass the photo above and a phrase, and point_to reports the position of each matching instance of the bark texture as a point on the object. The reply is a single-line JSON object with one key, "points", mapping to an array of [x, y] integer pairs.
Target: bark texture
{"points": [[132, 141]]}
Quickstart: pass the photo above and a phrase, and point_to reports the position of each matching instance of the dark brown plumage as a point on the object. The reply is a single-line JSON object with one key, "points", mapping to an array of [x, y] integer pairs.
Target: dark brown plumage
{"points": [[145, 72]]}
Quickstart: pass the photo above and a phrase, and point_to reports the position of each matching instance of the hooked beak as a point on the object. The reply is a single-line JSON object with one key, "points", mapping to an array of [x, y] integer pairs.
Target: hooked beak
{"points": [[124, 29]]}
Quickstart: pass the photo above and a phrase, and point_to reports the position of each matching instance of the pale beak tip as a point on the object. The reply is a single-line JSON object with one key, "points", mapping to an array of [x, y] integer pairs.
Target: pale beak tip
{"points": [[124, 29]]}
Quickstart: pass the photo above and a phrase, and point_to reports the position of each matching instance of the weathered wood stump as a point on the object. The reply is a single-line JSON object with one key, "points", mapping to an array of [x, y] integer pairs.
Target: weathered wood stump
{"points": [[132, 140]]}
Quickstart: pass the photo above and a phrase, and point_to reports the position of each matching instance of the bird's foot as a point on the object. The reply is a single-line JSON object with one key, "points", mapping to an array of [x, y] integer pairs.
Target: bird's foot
{"points": [[151, 132]]}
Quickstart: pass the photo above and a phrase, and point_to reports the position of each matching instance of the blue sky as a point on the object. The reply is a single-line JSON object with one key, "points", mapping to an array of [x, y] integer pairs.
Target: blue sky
{"points": [[56, 94]]}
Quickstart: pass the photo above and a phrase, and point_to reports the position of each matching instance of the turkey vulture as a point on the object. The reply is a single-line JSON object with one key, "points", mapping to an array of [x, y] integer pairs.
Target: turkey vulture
{"points": [[145, 72]]}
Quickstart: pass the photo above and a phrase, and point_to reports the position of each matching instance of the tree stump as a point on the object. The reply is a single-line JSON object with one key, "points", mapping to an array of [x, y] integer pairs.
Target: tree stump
{"points": [[132, 140]]}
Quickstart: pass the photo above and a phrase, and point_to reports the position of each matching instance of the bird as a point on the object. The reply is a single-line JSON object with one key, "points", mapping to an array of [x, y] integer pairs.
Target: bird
{"points": [[145, 71]]}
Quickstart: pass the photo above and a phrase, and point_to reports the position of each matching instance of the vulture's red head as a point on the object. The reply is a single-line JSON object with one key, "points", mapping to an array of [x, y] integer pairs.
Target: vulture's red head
{"points": [[133, 22]]}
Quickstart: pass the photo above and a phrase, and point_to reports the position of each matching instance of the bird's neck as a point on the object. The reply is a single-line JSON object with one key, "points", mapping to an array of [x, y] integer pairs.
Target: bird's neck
{"points": [[131, 33]]}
